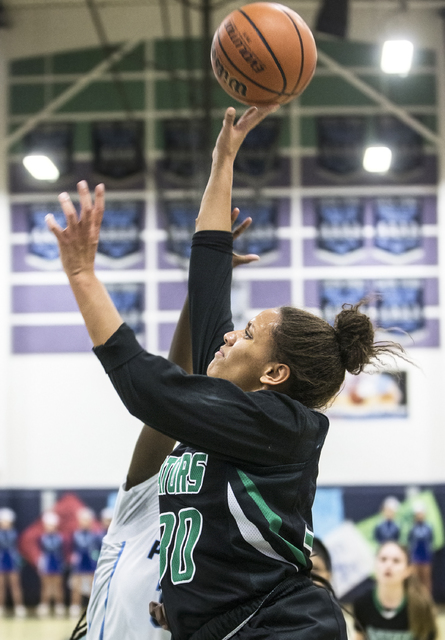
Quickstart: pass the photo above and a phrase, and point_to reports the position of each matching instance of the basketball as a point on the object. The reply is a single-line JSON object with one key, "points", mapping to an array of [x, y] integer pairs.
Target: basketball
{"points": [[263, 53]]}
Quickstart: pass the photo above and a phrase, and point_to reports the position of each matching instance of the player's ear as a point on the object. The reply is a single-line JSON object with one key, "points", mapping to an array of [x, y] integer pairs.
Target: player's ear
{"points": [[275, 374]]}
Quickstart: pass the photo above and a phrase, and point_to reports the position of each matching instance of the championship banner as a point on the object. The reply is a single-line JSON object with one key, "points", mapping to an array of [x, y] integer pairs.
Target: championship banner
{"points": [[398, 229], [340, 229], [257, 160], [180, 222], [262, 235], [118, 148], [185, 153], [42, 250], [120, 243], [341, 141], [405, 143], [401, 304], [129, 299], [397, 306], [334, 293]]}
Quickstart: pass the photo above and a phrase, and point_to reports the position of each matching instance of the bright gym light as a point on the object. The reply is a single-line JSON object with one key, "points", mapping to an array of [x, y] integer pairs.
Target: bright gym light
{"points": [[41, 167], [377, 159], [397, 56]]}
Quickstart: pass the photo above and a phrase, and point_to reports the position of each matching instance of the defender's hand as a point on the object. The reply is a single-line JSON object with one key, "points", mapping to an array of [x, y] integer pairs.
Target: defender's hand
{"points": [[238, 259], [79, 240]]}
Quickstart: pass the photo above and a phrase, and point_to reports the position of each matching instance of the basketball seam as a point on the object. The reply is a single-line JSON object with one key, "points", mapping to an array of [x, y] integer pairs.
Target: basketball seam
{"points": [[302, 51], [266, 44], [277, 93]]}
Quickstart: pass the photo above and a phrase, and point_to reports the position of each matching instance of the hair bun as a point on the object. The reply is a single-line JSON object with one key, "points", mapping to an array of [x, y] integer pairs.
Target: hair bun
{"points": [[355, 336]]}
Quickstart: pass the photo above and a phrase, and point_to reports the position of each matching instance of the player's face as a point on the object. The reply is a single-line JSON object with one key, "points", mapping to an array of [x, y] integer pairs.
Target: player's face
{"points": [[391, 565], [245, 355]]}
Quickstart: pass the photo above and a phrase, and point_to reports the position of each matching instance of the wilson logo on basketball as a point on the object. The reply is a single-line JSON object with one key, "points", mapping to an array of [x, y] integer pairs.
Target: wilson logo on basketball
{"points": [[233, 83], [243, 49]]}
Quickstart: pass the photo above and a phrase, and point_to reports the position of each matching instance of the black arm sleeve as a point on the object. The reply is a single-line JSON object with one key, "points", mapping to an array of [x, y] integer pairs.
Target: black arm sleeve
{"points": [[263, 427], [210, 279]]}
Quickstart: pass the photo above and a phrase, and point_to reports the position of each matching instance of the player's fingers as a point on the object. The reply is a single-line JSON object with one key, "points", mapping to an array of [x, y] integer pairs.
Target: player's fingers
{"points": [[250, 257], [234, 215], [53, 225], [247, 118], [68, 209], [99, 199], [245, 224], [230, 115], [256, 114], [238, 260], [86, 203], [268, 109]]}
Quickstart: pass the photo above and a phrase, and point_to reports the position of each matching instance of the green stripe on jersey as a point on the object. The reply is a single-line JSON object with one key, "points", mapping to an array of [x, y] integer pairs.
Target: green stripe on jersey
{"points": [[308, 539], [272, 518]]}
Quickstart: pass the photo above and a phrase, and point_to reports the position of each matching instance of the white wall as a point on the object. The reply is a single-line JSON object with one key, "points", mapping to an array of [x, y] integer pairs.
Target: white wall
{"points": [[66, 425], [61, 423], [405, 451]]}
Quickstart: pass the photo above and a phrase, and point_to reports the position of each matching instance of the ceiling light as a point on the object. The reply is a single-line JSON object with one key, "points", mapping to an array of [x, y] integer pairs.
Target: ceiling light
{"points": [[397, 56], [377, 159], [41, 167]]}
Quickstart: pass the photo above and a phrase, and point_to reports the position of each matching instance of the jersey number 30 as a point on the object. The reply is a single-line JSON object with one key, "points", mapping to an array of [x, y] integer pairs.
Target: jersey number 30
{"points": [[182, 533]]}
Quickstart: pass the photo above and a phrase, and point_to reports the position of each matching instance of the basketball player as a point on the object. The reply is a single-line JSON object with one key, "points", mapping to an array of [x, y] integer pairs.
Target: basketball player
{"points": [[127, 575], [236, 494]]}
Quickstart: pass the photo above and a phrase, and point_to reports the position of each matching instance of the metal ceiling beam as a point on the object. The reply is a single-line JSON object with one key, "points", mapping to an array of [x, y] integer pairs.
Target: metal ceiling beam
{"points": [[72, 91], [401, 113]]}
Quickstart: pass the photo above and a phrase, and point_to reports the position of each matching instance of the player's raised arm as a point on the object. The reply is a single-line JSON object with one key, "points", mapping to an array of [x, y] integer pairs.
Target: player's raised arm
{"points": [[78, 245], [215, 207]]}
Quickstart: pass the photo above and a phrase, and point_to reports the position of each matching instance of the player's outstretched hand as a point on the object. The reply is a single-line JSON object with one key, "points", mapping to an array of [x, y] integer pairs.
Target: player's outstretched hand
{"points": [[79, 240], [232, 135], [238, 259]]}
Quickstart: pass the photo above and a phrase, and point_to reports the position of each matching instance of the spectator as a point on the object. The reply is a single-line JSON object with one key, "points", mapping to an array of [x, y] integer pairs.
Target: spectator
{"points": [[10, 564], [398, 606], [420, 542], [50, 567], [387, 529]]}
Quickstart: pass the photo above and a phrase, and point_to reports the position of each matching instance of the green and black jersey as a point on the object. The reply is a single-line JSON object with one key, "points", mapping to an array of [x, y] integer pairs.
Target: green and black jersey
{"points": [[236, 494], [380, 623]]}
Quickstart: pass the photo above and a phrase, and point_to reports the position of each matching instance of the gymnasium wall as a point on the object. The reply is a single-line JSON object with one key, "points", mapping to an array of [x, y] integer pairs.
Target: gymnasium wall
{"points": [[65, 425]]}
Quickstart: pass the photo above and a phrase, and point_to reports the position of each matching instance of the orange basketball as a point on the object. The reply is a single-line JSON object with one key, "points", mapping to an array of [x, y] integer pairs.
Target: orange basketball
{"points": [[263, 53]]}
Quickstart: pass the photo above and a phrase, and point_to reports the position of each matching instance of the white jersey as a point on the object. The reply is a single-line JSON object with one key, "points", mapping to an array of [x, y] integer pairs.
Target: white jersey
{"points": [[127, 575]]}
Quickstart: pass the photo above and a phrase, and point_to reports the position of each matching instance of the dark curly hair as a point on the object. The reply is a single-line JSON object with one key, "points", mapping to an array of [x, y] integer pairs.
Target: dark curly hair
{"points": [[319, 354]]}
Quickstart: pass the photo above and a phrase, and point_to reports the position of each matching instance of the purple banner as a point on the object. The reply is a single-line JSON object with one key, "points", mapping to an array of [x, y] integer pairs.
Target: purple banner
{"points": [[51, 339], [266, 294], [171, 295], [43, 299], [422, 251], [401, 304]]}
